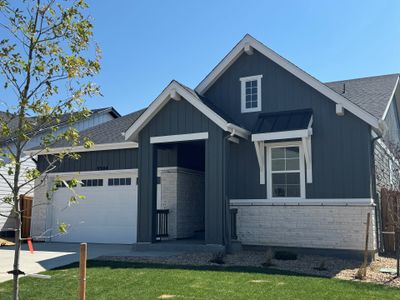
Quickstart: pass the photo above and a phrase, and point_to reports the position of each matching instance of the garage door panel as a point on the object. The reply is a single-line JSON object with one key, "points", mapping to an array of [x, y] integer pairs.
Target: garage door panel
{"points": [[106, 215]]}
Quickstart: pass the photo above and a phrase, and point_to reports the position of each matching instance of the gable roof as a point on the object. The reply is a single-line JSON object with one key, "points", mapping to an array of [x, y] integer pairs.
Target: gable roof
{"points": [[105, 134], [248, 43], [13, 123], [176, 90], [373, 94]]}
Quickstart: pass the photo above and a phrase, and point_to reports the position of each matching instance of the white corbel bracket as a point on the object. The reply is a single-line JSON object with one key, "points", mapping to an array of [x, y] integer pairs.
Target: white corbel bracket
{"points": [[248, 49], [260, 151], [175, 95], [308, 156]]}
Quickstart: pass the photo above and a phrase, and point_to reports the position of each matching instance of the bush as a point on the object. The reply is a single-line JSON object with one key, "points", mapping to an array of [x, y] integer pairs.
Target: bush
{"points": [[218, 258], [285, 255], [321, 266], [269, 255]]}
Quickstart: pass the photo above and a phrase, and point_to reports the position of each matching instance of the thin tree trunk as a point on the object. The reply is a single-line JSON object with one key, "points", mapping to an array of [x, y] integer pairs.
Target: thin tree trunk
{"points": [[397, 240], [17, 253]]}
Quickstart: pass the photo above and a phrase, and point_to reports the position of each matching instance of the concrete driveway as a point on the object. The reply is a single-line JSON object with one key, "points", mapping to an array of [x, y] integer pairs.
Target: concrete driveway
{"points": [[52, 255]]}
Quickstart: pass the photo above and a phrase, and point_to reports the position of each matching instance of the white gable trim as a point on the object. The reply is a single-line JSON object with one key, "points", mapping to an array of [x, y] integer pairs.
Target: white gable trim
{"points": [[290, 67], [390, 99], [174, 91]]}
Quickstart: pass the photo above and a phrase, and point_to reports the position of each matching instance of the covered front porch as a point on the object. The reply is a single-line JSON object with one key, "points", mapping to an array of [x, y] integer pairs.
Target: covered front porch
{"points": [[198, 211]]}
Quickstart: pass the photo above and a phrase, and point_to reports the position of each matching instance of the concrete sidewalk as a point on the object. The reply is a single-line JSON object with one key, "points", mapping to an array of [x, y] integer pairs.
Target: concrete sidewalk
{"points": [[52, 255]]}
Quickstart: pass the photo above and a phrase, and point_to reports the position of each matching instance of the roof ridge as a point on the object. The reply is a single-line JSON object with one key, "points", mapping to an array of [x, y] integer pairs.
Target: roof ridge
{"points": [[114, 120], [360, 78]]}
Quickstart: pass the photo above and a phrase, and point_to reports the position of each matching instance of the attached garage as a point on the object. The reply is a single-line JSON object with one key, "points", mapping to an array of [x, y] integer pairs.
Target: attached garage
{"points": [[108, 214]]}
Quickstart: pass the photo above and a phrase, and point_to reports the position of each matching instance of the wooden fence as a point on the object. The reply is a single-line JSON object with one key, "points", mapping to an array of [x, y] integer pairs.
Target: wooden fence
{"points": [[26, 207], [390, 203]]}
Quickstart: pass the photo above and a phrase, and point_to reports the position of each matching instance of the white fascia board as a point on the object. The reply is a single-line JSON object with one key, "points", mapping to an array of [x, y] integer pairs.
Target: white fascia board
{"points": [[303, 202], [96, 147], [93, 173], [179, 138], [175, 88], [290, 67], [280, 135], [390, 99], [148, 114], [239, 131]]}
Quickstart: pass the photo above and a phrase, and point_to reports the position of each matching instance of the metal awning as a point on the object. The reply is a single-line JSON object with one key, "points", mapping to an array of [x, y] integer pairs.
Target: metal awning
{"points": [[296, 124]]}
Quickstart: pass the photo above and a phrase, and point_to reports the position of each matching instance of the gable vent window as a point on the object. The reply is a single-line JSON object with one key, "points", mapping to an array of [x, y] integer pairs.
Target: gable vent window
{"points": [[251, 93], [92, 182], [119, 181]]}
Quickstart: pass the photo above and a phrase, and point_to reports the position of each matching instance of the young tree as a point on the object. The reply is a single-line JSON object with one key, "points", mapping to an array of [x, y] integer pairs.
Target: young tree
{"points": [[47, 58]]}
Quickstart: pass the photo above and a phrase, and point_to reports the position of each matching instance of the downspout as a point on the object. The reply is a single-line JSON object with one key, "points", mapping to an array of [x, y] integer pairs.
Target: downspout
{"points": [[226, 214], [378, 219]]}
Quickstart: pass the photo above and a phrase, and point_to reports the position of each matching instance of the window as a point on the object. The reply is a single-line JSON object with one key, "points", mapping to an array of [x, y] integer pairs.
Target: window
{"points": [[286, 171], [61, 184], [92, 182], [119, 181], [251, 93]]}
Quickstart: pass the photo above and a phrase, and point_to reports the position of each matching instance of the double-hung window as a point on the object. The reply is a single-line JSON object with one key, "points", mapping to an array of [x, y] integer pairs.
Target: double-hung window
{"points": [[251, 93], [286, 171]]}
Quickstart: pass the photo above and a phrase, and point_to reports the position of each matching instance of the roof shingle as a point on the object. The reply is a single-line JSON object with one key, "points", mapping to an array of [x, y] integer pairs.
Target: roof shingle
{"points": [[370, 93]]}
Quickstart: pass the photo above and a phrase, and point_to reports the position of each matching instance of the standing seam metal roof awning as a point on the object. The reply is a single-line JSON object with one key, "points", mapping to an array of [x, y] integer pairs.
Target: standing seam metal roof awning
{"points": [[282, 125], [285, 125]]}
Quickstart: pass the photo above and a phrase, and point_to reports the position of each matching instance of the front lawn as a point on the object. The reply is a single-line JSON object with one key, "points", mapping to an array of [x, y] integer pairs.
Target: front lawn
{"points": [[124, 280]]}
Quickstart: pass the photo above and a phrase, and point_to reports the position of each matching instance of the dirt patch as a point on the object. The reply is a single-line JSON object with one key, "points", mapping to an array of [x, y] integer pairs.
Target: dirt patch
{"points": [[6, 242]]}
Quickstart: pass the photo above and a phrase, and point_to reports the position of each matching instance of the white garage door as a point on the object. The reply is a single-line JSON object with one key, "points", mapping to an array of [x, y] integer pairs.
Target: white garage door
{"points": [[108, 214]]}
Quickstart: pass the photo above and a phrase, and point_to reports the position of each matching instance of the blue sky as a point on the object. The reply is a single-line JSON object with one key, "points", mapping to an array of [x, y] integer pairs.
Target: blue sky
{"points": [[148, 43]]}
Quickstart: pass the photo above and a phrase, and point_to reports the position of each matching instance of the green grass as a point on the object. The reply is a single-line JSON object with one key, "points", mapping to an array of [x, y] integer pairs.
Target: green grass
{"points": [[117, 280]]}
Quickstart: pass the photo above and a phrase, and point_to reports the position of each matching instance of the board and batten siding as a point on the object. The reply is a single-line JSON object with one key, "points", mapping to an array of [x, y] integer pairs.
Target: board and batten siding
{"points": [[180, 117], [340, 144], [120, 159]]}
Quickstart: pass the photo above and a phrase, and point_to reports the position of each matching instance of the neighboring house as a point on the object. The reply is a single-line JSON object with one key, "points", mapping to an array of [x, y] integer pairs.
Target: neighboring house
{"points": [[294, 157], [98, 116]]}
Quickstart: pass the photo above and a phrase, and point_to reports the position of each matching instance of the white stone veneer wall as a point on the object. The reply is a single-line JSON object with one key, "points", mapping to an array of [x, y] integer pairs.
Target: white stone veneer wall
{"points": [[330, 227], [182, 192]]}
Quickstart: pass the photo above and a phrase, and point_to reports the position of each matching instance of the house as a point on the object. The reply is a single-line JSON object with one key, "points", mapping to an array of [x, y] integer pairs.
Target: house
{"points": [[259, 152], [98, 116]]}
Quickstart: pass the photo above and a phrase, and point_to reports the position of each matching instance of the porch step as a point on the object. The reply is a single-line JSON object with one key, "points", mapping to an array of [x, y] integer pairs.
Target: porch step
{"points": [[178, 247]]}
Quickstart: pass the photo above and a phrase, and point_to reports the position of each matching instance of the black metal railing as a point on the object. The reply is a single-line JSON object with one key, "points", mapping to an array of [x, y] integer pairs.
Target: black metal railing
{"points": [[233, 214], [162, 223]]}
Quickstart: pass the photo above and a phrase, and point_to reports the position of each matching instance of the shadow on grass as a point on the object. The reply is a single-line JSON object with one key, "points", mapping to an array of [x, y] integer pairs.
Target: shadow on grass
{"points": [[139, 265]]}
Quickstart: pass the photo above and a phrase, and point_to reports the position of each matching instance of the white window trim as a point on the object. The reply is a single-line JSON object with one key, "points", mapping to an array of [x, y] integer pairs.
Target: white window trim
{"points": [[302, 169], [243, 81]]}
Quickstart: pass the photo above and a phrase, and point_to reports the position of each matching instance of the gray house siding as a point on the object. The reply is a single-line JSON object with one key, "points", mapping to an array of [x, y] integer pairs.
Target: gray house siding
{"points": [[95, 161], [340, 145], [180, 117], [120, 159]]}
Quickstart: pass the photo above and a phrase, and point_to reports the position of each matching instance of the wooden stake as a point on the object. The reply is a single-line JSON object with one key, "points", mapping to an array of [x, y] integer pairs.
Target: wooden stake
{"points": [[82, 271], [366, 246]]}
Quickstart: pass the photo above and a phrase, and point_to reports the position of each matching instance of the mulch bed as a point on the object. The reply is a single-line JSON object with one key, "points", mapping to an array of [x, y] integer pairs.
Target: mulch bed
{"points": [[331, 267]]}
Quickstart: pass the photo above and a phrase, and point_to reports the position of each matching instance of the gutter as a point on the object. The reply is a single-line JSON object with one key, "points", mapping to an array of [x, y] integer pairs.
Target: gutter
{"points": [[375, 196]]}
